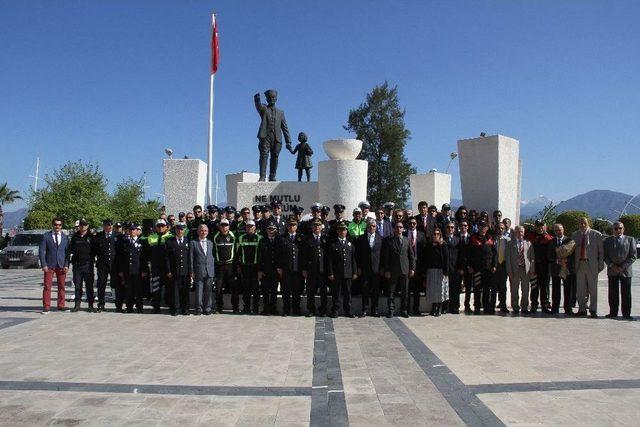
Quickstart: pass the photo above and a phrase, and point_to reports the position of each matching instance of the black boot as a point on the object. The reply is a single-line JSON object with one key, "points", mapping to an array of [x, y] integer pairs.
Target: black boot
{"points": [[438, 307]]}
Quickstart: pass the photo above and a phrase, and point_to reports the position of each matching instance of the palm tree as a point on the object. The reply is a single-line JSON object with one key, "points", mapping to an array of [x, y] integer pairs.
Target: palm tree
{"points": [[7, 196]]}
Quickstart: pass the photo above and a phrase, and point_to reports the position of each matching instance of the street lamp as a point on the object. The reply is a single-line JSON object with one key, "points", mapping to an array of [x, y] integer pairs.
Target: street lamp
{"points": [[452, 157]]}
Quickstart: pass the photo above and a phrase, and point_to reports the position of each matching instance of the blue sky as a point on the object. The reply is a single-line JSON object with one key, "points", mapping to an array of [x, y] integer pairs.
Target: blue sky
{"points": [[116, 82]]}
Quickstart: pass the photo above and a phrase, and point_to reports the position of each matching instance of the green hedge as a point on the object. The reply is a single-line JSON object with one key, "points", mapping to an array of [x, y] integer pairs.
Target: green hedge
{"points": [[631, 225], [570, 220]]}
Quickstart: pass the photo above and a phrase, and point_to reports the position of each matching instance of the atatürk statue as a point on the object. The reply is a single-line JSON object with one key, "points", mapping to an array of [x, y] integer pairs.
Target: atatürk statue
{"points": [[272, 126]]}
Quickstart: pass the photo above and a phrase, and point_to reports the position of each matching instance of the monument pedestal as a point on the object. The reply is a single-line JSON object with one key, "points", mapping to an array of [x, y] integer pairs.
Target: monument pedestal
{"points": [[342, 182], [490, 175], [185, 183], [433, 187], [288, 193]]}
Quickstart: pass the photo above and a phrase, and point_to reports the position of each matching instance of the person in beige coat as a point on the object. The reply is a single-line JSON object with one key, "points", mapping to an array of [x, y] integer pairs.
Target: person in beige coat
{"points": [[520, 267], [588, 262]]}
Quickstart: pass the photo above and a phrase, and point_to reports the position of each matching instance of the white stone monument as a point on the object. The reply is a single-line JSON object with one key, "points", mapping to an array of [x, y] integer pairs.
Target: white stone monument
{"points": [[288, 193], [342, 179], [491, 174], [433, 187], [232, 185], [185, 184]]}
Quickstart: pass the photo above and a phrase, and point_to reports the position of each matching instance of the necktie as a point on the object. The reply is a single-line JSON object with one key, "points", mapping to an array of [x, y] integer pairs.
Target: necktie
{"points": [[292, 236], [57, 239], [203, 243], [317, 240], [583, 247], [179, 242]]}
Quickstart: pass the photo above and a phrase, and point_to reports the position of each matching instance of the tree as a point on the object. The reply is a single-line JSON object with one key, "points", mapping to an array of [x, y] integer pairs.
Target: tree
{"points": [[570, 220], [603, 225], [379, 123], [77, 190], [128, 204], [631, 225], [7, 196]]}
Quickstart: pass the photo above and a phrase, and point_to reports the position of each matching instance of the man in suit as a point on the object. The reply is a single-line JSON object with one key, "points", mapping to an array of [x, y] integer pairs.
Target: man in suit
{"points": [[383, 225], [417, 241], [267, 269], [341, 271], [520, 263], [399, 267], [272, 126], [422, 216], [444, 217], [368, 259], [104, 245], [540, 240], [315, 268], [619, 255], [561, 270], [289, 267], [588, 261], [501, 240], [202, 268], [464, 269], [453, 242], [53, 260], [278, 218]]}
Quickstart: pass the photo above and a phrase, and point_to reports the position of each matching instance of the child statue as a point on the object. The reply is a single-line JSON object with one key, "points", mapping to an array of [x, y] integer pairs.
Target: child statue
{"points": [[303, 161]]}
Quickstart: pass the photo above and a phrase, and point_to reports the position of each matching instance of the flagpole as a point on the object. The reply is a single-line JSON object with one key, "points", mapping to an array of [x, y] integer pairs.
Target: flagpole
{"points": [[210, 145]]}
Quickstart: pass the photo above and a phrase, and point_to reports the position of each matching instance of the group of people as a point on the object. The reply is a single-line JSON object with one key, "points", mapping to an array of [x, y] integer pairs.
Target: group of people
{"points": [[385, 253]]}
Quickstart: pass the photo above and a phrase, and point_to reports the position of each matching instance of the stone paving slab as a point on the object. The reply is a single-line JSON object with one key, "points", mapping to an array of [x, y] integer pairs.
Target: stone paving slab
{"points": [[114, 369]]}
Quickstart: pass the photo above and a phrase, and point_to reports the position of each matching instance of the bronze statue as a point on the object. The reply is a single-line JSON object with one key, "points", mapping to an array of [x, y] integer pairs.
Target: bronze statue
{"points": [[303, 161], [272, 126]]}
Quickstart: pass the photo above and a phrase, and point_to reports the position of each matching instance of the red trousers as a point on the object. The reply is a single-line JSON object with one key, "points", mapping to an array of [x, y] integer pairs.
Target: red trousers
{"points": [[61, 277]]}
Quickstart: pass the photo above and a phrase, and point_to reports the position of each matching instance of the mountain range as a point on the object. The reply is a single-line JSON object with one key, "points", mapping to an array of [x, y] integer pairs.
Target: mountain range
{"points": [[597, 203]]}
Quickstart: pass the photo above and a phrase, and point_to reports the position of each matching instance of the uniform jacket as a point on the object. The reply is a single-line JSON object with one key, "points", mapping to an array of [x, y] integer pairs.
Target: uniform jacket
{"points": [[619, 253], [453, 245], [315, 254], [177, 257], [80, 250], [342, 259], [482, 253], [512, 256], [225, 247], [267, 251], [52, 255], [289, 253], [200, 264], [272, 122], [130, 256], [247, 252], [105, 250], [398, 256], [369, 259]]}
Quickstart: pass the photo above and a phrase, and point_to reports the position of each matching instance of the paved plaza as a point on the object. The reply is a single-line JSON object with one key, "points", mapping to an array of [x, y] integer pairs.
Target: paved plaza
{"points": [[115, 369]]}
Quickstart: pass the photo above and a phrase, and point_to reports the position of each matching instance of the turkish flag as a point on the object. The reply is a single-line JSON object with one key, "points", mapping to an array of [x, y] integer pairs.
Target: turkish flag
{"points": [[215, 52]]}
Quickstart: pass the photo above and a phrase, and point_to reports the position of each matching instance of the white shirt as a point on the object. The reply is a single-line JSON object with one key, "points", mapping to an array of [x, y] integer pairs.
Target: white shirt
{"points": [[372, 239], [203, 245], [56, 238]]}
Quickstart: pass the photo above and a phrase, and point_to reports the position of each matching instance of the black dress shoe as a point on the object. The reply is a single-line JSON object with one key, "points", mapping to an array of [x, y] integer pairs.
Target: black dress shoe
{"points": [[363, 314], [504, 310], [374, 314], [310, 314], [349, 315], [404, 314], [174, 313], [628, 318], [593, 315], [100, 308], [467, 310], [611, 316], [140, 310], [581, 314], [75, 308], [156, 310], [184, 312], [333, 315], [90, 309]]}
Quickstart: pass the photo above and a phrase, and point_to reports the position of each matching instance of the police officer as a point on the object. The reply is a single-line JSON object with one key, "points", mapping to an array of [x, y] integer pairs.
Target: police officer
{"points": [[81, 255], [341, 270], [177, 271], [296, 214], [278, 217], [104, 246], [265, 220], [338, 211], [257, 213], [358, 226], [290, 268], [324, 216], [224, 242], [267, 269], [130, 259], [366, 208], [247, 260], [198, 218], [230, 214], [307, 227], [241, 226], [156, 256], [314, 269]]}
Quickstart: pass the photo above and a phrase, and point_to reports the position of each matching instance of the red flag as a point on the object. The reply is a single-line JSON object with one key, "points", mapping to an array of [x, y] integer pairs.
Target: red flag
{"points": [[215, 52]]}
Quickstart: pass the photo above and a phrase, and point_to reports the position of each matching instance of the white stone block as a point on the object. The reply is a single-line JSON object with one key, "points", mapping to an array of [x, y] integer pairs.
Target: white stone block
{"points": [[232, 181], [433, 187], [342, 182], [185, 183], [288, 193], [490, 174]]}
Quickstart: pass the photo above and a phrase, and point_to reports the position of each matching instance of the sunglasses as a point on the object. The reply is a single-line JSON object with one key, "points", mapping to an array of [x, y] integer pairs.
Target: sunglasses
{"points": [[57, 225], [450, 226], [617, 228]]}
